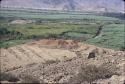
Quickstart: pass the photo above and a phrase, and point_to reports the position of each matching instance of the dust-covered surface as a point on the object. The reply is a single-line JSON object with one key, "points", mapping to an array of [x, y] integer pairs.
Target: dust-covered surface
{"points": [[21, 21], [60, 61]]}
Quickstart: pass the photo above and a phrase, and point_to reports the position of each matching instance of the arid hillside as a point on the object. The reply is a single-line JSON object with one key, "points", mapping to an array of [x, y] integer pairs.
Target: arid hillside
{"points": [[62, 61]]}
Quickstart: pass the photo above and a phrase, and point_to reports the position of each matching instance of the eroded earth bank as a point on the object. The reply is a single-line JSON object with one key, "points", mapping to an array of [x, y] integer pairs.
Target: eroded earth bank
{"points": [[61, 61]]}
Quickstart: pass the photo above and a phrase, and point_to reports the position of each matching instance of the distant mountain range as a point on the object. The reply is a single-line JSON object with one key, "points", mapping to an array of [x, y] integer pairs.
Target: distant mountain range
{"points": [[68, 5]]}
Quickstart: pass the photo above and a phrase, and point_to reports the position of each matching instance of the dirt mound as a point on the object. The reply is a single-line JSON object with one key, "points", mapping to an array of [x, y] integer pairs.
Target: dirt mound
{"points": [[21, 21], [68, 44], [56, 61]]}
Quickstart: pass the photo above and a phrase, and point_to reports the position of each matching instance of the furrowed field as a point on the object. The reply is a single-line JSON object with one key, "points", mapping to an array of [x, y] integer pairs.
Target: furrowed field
{"points": [[85, 27]]}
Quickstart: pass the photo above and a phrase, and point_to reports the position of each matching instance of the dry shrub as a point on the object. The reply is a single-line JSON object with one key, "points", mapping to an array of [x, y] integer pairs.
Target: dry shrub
{"points": [[122, 48], [51, 61], [29, 79], [90, 73], [8, 77]]}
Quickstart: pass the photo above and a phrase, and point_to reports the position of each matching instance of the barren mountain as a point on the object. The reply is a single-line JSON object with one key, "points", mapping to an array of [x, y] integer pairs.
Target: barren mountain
{"points": [[60, 61], [77, 5]]}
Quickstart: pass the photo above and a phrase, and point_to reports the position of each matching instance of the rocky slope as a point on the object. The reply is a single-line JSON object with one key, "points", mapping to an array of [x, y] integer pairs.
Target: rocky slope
{"points": [[77, 5], [58, 61]]}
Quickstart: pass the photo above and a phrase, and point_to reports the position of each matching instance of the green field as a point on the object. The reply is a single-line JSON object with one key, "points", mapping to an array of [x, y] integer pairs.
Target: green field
{"points": [[62, 25], [112, 37], [51, 15]]}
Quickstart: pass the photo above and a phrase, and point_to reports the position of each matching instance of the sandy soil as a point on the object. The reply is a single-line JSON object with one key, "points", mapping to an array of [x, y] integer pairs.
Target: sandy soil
{"points": [[59, 60]]}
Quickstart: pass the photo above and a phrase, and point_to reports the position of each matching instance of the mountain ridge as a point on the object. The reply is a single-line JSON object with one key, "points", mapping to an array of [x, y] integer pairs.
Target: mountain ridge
{"points": [[68, 5]]}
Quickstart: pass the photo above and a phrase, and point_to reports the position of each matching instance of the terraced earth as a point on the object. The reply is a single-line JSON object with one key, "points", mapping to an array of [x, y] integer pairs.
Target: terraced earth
{"points": [[58, 61]]}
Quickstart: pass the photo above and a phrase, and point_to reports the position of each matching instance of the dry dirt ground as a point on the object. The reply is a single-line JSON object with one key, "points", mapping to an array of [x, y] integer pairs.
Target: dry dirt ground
{"points": [[21, 21], [57, 61]]}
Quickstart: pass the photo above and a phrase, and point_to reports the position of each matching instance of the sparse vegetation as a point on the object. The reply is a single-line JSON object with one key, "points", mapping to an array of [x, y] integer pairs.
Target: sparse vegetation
{"points": [[8, 77], [30, 79], [51, 61], [122, 48], [90, 73]]}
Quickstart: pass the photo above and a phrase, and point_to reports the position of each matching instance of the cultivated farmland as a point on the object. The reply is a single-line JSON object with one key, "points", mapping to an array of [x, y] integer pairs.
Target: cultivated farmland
{"points": [[25, 25]]}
